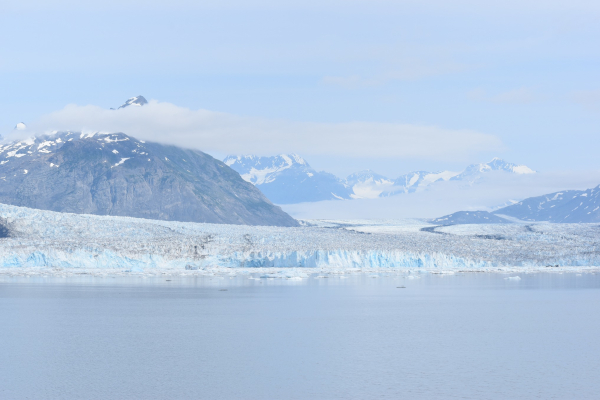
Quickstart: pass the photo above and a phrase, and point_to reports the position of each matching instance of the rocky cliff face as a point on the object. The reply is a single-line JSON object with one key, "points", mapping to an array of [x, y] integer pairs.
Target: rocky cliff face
{"points": [[115, 174]]}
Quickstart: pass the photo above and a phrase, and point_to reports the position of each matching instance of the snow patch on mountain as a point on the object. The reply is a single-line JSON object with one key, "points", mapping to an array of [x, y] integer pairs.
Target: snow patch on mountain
{"points": [[415, 181], [368, 184], [437, 176], [522, 169]]}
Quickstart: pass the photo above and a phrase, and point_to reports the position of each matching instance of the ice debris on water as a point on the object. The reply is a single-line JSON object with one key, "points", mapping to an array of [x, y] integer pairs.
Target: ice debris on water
{"points": [[62, 242]]}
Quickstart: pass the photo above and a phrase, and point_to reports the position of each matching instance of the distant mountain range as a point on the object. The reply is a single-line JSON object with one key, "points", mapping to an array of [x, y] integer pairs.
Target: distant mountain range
{"points": [[116, 174], [569, 206], [289, 179]]}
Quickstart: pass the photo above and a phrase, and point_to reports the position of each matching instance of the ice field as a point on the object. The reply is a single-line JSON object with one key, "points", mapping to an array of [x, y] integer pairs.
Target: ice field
{"points": [[45, 242]]}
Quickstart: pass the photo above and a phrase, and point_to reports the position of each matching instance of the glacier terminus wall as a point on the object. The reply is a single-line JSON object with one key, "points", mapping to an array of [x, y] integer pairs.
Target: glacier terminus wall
{"points": [[37, 238]]}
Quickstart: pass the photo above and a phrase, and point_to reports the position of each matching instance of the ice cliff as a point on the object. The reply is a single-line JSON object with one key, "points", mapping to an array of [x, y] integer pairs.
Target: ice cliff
{"points": [[39, 238]]}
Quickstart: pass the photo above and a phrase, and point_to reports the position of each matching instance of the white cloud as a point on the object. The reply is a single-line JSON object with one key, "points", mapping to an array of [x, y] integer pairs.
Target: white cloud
{"points": [[227, 133]]}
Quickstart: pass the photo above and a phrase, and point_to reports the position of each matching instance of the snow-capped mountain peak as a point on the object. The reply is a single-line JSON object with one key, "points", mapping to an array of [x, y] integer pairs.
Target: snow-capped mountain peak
{"points": [[288, 178], [292, 159], [366, 176], [499, 164], [368, 184], [474, 171], [260, 170], [137, 101], [21, 126]]}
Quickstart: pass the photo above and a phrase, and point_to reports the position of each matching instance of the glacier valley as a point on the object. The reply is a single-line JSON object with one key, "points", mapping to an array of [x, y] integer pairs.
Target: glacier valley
{"points": [[46, 242]]}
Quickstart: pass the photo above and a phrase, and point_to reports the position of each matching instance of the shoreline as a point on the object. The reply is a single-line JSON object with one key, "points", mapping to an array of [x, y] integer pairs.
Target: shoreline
{"points": [[279, 273]]}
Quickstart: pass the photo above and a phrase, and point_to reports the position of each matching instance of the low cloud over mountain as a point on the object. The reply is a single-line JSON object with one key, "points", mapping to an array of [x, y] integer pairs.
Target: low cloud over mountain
{"points": [[231, 134]]}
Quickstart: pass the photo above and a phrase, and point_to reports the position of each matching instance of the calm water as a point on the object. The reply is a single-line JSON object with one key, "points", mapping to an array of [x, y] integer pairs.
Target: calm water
{"points": [[472, 336]]}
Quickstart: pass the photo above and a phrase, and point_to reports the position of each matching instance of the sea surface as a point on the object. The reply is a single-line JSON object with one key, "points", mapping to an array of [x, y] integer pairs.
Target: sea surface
{"points": [[462, 336]]}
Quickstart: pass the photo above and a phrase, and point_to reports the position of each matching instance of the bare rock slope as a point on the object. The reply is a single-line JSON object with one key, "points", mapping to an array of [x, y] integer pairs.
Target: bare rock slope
{"points": [[115, 174]]}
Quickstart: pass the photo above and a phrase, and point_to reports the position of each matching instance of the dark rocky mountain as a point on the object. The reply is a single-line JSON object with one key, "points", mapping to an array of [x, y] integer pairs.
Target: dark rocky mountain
{"points": [[569, 206], [115, 174], [565, 206], [470, 217]]}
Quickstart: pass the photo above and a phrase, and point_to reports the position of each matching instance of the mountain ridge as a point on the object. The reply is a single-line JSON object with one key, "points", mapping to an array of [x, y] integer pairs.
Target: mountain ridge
{"points": [[567, 206], [281, 177], [116, 174]]}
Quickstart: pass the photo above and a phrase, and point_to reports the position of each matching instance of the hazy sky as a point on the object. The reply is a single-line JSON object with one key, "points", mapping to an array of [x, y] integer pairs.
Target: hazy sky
{"points": [[466, 79]]}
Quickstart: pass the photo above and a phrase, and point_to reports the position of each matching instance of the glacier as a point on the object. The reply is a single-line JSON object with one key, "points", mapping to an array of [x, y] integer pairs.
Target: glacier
{"points": [[63, 243]]}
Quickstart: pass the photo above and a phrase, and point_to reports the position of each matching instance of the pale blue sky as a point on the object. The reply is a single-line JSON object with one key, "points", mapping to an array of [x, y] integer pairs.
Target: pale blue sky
{"points": [[527, 72]]}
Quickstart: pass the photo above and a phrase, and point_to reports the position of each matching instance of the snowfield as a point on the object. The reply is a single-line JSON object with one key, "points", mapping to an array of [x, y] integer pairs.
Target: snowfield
{"points": [[45, 242]]}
